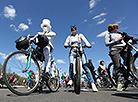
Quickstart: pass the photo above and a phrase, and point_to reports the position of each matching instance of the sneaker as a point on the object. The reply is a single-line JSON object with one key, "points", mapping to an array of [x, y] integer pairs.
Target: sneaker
{"points": [[119, 88], [94, 88], [70, 82], [28, 88]]}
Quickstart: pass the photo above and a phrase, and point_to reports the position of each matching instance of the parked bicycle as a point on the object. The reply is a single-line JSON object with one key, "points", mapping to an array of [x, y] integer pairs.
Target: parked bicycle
{"points": [[130, 68], [24, 60]]}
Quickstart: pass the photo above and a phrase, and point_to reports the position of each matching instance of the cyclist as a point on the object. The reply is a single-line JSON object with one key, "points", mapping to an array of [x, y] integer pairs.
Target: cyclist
{"points": [[12, 78], [116, 44], [48, 49], [91, 67], [76, 40], [103, 73]]}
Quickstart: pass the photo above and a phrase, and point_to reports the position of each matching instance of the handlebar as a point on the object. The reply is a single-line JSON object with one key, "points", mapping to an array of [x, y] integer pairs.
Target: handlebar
{"points": [[71, 46], [126, 37]]}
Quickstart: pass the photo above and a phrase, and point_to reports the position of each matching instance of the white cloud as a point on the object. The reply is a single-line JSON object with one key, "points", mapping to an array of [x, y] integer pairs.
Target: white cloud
{"points": [[109, 61], [93, 3], [4, 56], [9, 12], [85, 21], [14, 27], [100, 22], [23, 26], [60, 61], [92, 43], [102, 34], [100, 15], [29, 21]]}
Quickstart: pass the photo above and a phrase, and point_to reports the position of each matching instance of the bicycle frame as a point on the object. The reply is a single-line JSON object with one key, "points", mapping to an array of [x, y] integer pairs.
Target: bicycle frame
{"points": [[31, 48]]}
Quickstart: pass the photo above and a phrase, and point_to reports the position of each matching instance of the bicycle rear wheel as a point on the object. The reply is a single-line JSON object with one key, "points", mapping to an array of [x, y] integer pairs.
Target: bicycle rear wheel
{"points": [[53, 82], [77, 76], [134, 65], [13, 66]]}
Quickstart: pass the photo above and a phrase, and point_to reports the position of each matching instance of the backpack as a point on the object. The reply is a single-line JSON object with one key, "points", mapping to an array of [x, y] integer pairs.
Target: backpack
{"points": [[42, 41]]}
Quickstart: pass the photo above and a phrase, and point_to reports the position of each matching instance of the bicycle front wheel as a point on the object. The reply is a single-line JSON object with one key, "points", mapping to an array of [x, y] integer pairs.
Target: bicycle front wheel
{"points": [[134, 65], [111, 74], [18, 81], [77, 76], [53, 82]]}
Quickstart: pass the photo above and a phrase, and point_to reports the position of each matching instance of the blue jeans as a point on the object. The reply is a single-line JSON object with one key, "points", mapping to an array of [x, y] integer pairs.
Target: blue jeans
{"points": [[84, 65]]}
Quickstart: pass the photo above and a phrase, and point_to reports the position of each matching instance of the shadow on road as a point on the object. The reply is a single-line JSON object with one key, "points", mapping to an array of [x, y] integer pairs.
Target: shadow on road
{"points": [[127, 95]]}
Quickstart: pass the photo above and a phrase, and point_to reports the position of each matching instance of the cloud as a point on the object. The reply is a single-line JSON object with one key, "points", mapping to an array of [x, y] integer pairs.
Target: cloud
{"points": [[100, 15], [9, 12], [4, 56], [29, 21], [93, 3], [21, 27], [100, 22], [102, 34], [14, 28], [60, 61], [92, 43], [85, 21]]}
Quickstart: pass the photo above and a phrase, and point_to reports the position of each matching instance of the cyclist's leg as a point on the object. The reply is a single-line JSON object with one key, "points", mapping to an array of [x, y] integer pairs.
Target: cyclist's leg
{"points": [[87, 70], [47, 55], [117, 64], [71, 59]]}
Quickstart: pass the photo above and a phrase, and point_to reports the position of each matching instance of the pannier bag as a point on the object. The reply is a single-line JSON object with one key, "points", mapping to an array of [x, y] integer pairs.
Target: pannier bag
{"points": [[42, 41], [22, 43]]}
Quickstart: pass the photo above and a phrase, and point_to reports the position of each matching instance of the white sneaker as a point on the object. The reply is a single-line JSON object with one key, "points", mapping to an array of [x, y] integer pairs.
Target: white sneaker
{"points": [[28, 88], [70, 82], [94, 88]]}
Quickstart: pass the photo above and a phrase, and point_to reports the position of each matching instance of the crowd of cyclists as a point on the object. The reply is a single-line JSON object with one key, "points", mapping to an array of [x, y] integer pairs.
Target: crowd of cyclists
{"points": [[91, 77]]}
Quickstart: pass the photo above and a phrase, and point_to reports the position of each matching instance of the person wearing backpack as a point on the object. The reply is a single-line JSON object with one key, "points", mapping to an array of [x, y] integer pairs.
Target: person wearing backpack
{"points": [[76, 39], [116, 44], [44, 41]]}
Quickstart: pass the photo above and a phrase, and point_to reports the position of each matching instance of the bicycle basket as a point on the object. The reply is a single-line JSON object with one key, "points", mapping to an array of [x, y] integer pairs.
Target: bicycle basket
{"points": [[22, 43]]}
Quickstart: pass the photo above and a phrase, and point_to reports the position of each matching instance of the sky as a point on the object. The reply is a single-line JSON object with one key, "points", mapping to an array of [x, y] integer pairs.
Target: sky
{"points": [[23, 17]]}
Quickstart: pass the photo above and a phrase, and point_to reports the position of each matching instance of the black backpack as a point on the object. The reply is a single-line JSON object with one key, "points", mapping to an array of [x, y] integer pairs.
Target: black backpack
{"points": [[42, 41]]}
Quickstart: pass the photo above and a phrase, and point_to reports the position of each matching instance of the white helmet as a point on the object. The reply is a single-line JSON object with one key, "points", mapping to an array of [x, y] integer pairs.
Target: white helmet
{"points": [[46, 22]]}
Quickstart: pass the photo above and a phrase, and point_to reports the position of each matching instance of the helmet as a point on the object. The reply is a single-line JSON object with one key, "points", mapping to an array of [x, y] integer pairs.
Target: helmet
{"points": [[112, 26], [73, 28]]}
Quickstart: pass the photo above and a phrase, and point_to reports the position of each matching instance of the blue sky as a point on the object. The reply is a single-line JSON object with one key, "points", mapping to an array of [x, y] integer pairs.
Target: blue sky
{"points": [[18, 18]]}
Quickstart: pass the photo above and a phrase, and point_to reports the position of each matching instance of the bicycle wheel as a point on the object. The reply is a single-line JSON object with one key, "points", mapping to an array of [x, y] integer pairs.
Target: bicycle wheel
{"points": [[53, 82], [13, 68], [77, 76], [124, 76], [134, 66], [111, 74]]}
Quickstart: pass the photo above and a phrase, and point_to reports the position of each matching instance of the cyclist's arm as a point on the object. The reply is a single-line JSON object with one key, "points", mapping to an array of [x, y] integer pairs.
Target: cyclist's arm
{"points": [[51, 34], [85, 40], [66, 44], [107, 40]]}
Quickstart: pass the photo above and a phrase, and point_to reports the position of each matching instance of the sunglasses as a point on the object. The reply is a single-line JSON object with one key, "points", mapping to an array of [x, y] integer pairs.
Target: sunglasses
{"points": [[116, 27]]}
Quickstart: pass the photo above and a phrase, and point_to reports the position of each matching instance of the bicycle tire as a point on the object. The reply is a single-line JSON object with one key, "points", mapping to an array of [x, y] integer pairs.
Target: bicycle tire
{"points": [[53, 83], [133, 67], [110, 76], [124, 82], [77, 76], [20, 89]]}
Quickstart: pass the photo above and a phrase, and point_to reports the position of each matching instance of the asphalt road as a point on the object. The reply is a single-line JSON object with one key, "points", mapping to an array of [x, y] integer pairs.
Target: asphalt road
{"points": [[67, 95]]}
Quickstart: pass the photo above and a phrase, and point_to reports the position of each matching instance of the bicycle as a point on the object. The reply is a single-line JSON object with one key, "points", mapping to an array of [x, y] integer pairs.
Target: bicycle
{"points": [[131, 68], [77, 69], [20, 62]]}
